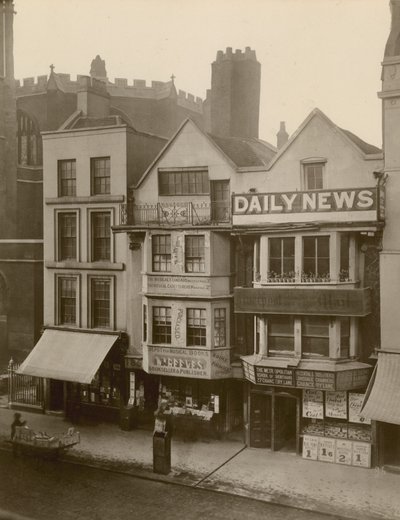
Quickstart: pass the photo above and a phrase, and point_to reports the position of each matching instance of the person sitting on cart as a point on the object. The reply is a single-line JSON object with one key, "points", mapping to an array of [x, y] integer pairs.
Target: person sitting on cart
{"points": [[17, 422]]}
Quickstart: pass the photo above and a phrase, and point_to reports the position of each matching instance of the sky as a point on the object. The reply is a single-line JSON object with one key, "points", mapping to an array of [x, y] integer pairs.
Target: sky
{"points": [[313, 53]]}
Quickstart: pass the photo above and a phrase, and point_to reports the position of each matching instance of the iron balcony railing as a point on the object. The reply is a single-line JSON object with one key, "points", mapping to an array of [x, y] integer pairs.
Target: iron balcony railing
{"points": [[175, 213]]}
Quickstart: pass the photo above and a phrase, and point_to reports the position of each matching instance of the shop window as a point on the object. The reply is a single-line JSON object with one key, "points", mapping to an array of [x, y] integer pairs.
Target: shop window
{"points": [[219, 327], [315, 335], [196, 327], [100, 303], [344, 275], [344, 337], [313, 176], [67, 236], [100, 175], [280, 335], [144, 322], [105, 388], [162, 325], [67, 301], [161, 253], [281, 258], [194, 254], [183, 182], [67, 178], [316, 258], [101, 236]]}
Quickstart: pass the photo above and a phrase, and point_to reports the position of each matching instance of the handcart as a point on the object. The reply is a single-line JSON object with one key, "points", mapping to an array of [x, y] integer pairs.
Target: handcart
{"points": [[41, 445]]}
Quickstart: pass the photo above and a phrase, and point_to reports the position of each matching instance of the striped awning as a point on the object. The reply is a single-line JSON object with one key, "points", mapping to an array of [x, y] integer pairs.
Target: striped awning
{"points": [[67, 355], [382, 399]]}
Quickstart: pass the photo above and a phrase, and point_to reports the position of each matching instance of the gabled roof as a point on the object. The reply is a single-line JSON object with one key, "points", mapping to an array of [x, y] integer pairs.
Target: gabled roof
{"points": [[245, 151], [363, 148], [238, 152]]}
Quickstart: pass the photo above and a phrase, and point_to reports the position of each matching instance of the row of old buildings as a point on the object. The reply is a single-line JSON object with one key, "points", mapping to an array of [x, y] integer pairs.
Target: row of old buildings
{"points": [[249, 287]]}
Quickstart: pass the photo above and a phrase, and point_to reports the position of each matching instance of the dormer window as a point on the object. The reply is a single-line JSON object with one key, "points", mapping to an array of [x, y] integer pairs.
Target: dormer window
{"points": [[313, 174]]}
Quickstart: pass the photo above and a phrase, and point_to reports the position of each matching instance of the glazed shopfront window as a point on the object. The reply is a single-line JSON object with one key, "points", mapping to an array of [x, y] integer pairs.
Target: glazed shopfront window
{"points": [[281, 258], [280, 335], [161, 253], [162, 325], [315, 335], [196, 327], [106, 387], [316, 257]]}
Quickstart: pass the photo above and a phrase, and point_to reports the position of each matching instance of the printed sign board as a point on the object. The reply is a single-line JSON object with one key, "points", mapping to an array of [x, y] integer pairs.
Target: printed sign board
{"points": [[343, 452], [336, 405], [326, 449], [310, 447], [355, 403], [361, 454], [313, 404]]}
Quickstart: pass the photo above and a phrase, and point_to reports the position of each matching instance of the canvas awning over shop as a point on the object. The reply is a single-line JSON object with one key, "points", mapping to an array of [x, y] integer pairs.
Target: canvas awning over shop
{"points": [[67, 355], [382, 399]]}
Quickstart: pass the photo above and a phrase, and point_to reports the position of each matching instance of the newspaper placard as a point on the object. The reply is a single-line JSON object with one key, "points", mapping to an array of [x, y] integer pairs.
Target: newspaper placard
{"points": [[313, 404], [336, 405], [326, 450], [310, 447], [361, 454], [343, 452], [355, 403]]}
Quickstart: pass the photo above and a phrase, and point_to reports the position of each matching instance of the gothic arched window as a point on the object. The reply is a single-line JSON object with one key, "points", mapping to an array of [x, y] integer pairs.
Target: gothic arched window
{"points": [[29, 141]]}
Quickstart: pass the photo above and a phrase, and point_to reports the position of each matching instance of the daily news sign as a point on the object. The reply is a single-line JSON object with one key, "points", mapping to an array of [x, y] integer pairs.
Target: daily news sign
{"points": [[352, 204]]}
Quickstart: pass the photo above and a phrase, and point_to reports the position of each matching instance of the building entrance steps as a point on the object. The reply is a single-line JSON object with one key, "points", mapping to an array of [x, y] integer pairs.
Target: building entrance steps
{"points": [[228, 466]]}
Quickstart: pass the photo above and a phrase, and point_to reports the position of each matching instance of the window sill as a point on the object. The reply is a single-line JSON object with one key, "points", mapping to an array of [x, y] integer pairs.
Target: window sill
{"points": [[86, 200], [73, 264]]}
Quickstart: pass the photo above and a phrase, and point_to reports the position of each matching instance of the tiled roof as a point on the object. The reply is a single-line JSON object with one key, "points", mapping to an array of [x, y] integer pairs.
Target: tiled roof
{"points": [[365, 147], [245, 151]]}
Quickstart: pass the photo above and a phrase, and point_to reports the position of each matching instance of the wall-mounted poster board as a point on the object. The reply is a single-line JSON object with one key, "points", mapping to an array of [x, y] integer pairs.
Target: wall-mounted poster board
{"points": [[355, 403], [313, 404], [336, 405]]}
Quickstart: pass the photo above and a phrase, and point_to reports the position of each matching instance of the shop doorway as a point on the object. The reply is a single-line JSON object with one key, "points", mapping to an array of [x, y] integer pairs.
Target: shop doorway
{"points": [[56, 395], [391, 439], [274, 420]]}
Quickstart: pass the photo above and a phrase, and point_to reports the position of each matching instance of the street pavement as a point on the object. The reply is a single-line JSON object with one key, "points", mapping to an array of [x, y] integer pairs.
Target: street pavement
{"points": [[231, 467]]}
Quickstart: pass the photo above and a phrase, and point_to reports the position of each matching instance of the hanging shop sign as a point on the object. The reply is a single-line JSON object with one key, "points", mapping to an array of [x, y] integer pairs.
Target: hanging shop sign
{"points": [[133, 362], [355, 404], [313, 404], [286, 300], [305, 201], [336, 405], [187, 362], [337, 450], [322, 380]]}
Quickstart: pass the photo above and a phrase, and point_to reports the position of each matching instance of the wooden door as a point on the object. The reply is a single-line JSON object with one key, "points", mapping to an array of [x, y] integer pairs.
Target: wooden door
{"points": [[260, 421]]}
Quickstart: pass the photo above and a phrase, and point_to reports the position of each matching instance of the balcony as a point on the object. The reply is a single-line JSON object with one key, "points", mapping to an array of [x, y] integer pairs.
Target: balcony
{"points": [[343, 277], [175, 214]]}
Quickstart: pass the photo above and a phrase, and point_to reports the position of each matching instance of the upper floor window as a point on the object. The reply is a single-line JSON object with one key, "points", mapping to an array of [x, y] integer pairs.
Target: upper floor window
{"points": [[67, 300], [144, 322], [281, 257], [280, 335], [194, 254], [100, 304], [220, 327], [67, 236], [183, 182], [313, 176], [162, 325], [344, 336], [101, 236], [161, 253], [315, 335], [316, 256], [29, 141], [100, 175], [196, 327], [67, 178]]}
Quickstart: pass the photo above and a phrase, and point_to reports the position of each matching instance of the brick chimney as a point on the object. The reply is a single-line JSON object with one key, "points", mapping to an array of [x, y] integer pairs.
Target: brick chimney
{"points": [[93, 98], [282, 136]]}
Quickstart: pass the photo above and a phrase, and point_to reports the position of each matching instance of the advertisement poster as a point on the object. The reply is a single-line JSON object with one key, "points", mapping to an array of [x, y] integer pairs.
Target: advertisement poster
{"points": [[310, 447], [336, 405], [355, 403], [361, 454], [343, 452], [326, 449], [313, 404]]}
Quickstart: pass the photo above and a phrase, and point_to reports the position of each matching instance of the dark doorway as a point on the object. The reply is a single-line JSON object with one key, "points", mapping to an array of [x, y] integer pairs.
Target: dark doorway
{"points": [[391, 439], [260, 421], [284, 423], [56, 395]]}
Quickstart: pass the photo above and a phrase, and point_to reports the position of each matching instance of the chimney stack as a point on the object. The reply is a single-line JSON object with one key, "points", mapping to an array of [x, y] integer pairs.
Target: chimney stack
{"points": [[282, 136], [93, 98]]}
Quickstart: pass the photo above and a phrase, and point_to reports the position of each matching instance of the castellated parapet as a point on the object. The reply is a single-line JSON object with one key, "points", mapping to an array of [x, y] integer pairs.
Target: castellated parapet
{"points": [[248, 54], [137, 88]]}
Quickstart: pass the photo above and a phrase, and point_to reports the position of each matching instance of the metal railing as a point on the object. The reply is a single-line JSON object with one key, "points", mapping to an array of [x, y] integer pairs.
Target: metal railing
{"points": [[24, 390], [175, 213]]}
